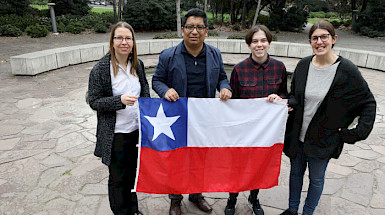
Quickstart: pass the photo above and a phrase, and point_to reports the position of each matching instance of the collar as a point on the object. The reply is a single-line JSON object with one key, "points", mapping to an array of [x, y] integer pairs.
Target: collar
{"points": [[263, 65], [202, 53]]}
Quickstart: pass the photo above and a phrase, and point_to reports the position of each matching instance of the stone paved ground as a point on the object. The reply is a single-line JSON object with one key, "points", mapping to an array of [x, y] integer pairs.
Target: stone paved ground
{"points": [[47, 139]]}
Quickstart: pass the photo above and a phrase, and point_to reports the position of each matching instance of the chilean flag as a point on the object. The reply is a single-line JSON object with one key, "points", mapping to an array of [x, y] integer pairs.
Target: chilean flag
{"points": [[197, 145]]}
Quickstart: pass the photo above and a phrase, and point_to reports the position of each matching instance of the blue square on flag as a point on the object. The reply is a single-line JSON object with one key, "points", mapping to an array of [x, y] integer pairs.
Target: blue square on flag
{"points": [[163, 123]]}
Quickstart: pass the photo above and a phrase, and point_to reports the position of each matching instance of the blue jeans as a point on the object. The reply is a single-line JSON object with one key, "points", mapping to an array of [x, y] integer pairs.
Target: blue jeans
{"points": [[317, 169]]}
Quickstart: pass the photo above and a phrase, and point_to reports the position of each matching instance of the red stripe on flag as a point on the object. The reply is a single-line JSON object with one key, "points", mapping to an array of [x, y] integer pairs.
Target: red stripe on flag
{"points": [[201, 169]]}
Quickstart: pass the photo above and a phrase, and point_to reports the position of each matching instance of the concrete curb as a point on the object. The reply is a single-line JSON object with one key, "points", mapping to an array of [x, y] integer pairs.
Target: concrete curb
{"points": [[43, 61]]}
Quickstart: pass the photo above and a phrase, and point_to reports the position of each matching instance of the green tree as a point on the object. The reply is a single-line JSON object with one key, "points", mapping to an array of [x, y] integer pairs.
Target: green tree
{"points": [[75, 7], [371, 21], [19, 7], [150, 15]]}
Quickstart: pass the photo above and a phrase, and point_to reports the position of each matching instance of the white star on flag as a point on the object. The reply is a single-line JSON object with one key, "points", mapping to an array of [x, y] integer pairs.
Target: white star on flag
{"points": [[162, 124]]}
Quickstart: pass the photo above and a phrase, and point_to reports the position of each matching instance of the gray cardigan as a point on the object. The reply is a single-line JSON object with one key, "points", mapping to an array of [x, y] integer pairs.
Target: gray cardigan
{"points": [[105, 104]]}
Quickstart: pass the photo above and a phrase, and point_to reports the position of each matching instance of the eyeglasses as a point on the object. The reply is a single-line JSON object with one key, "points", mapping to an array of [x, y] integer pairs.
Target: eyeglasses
{"points": [[191, 28], [120, 39], [323, 37]]}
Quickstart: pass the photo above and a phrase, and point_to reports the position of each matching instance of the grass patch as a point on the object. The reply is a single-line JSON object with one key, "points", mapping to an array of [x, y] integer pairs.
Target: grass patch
{"points": [[101, 10], [314, 20], [39, 7], [96, 10]]}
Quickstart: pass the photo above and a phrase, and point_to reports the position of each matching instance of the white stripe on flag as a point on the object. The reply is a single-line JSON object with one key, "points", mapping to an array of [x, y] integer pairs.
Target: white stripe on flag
{"points": [[235, 123]]}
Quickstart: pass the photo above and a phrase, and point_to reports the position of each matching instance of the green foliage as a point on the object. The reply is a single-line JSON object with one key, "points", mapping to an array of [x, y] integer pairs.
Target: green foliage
{"points": [[317, 14], [347, 22], [167, 35], [21, 22], [336, 24], [18, 7], [90, 20], [262, 19], [61, 27], [10, 31], [150, 15], [237, 36], [333, 15], [75, 27], [371, 21], [100, 27], [39, 2], [294, 19], [107, 17], [75, 7], [213, 34], [314, 5], [37, 30], [236, 27]]}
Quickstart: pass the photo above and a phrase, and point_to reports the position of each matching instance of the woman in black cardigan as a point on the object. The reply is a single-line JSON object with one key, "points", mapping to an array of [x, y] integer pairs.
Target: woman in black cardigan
{"points": [[115, 84], [327, 94]]}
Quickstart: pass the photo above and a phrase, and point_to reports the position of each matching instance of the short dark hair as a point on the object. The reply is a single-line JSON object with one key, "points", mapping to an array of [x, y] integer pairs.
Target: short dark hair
{"points": [[195, 12], [323, 25], [253, 30]]}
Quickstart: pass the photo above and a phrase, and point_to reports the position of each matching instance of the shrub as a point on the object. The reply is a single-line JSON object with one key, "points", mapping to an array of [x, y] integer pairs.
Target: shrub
{"points": [[61, 27], [336, 24], [90, 20], [100, 27], [347, 22], [150, 15], [167, 35], [75, 7], [107, 17], [213, 34], [332, 15], [10, 31], [37, 30], [236, 27], [75, 28], [236, 36], [262, 19], [294, 19], [370, 22], [21, 22], [18, 7], [317, 14]]}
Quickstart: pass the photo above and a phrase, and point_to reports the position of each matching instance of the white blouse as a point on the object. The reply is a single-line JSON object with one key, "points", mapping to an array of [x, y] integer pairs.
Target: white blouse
{"points": [[125, 83]]}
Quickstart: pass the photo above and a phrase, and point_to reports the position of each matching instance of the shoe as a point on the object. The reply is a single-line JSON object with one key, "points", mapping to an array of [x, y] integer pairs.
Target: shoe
{"points": [[230, 207], [256, 207], [201, 204], [138, 213], [289, 212], [175, 207]]}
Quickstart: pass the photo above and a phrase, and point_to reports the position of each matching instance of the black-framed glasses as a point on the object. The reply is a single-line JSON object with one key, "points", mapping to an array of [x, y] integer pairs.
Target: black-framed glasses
{"points": [[323, 37], [120, 39], [199, 28]]}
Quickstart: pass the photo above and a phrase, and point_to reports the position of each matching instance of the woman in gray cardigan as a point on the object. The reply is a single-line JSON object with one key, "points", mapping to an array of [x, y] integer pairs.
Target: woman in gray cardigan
{"points": [[327, 94], [115, 83]]}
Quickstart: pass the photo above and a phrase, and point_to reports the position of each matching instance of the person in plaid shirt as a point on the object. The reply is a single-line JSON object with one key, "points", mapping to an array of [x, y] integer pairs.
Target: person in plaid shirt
{"points": [[257, 76]]}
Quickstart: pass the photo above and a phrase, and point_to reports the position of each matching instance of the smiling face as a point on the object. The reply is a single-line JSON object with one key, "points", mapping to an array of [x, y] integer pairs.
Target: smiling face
{"points": [[259, 46], [194, 39], [123, 47], [322, 41]]}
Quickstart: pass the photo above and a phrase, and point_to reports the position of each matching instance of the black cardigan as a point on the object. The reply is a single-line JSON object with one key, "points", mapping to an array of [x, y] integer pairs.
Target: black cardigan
{"points": [[102, 100], [348, 97]]}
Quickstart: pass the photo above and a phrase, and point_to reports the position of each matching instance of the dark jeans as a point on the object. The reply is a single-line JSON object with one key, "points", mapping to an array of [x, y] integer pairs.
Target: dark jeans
{"points": [[180, 197], [317, 169], [122, 170], [253, 195]]}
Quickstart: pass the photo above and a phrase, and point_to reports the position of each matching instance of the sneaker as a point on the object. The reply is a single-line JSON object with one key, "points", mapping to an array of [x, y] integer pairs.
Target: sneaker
{"points": [[230, 207], [289, 212], [256, 207]]}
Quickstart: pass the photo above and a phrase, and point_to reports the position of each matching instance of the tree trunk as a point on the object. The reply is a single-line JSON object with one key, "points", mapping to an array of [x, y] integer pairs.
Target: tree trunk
{"points": [[115, 15], [120, 10], [232, 13], [257, 13], [244, 14], [178, 22], [205, 6]]}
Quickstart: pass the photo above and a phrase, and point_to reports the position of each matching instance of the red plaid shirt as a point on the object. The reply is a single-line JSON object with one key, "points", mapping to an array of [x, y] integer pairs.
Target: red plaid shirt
{"points": [[252, 80]]}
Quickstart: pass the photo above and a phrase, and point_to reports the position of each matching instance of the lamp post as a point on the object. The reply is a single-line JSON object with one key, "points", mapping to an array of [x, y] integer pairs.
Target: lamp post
{"points": [[52, 12]]}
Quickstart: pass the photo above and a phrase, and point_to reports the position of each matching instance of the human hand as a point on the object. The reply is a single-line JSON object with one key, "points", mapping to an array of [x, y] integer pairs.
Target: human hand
{"points": [[128, 99], [225, 94], [273, 97], [171, 95], [289, 108]]}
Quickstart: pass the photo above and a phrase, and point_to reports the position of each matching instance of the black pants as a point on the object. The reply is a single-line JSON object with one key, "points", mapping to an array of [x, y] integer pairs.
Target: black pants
{"points": [[253, 195], [122, 170]]}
